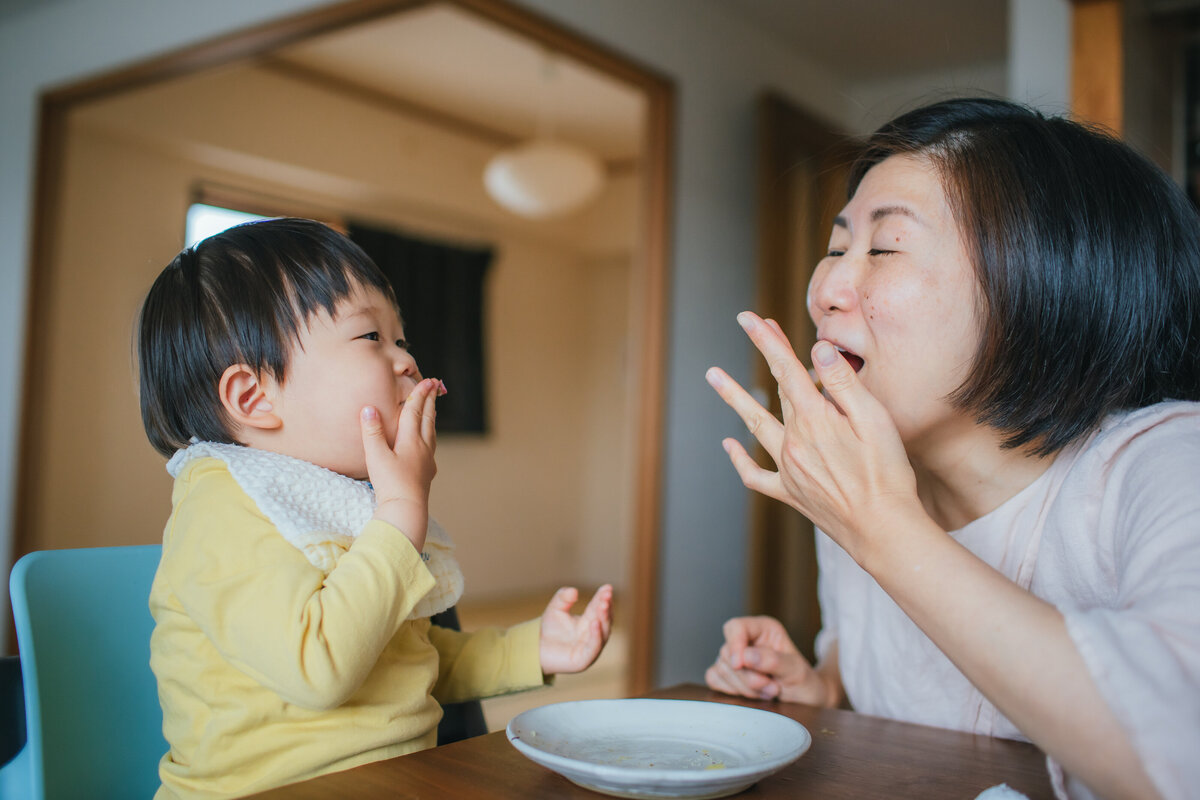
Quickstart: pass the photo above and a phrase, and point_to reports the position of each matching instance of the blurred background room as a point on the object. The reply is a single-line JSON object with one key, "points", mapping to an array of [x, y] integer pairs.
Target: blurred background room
{"points": [[706, 141]]}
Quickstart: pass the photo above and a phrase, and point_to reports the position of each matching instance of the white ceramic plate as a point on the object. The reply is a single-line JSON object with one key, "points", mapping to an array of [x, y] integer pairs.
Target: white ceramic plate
{"points": [[658, 748]]}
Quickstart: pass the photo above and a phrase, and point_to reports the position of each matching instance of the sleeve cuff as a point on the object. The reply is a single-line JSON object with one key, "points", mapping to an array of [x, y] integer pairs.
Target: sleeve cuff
{"points": [[525, 641]]}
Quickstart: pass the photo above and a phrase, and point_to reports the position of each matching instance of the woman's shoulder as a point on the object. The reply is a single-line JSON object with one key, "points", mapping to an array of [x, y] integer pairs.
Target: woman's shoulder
{"points": [[1154, 431], [1141, 471]]}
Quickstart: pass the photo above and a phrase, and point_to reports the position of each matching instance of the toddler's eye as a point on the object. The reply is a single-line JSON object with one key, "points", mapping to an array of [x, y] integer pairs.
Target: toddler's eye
{"points": [[835, 253], [875, 252], [373, 336], [402, 344]]}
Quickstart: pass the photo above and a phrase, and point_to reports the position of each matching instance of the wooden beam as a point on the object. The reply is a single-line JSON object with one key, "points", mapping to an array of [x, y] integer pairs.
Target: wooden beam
{"points": [[1098, 63]]}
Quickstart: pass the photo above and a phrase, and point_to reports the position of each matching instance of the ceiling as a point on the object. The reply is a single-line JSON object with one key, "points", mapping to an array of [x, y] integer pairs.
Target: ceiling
{"points": [[460, 67], [455, 64], [870, 39]]}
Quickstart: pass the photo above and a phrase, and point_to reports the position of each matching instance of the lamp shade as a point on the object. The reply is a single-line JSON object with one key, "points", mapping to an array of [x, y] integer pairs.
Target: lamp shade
{"points": [[543, 178]]}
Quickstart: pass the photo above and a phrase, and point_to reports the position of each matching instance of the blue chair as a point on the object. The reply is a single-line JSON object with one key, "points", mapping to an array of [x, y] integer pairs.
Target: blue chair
{"points": [[92, 718]]}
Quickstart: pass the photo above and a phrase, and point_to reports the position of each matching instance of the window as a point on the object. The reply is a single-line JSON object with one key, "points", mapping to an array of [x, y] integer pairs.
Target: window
{"points": [[204, 221]]}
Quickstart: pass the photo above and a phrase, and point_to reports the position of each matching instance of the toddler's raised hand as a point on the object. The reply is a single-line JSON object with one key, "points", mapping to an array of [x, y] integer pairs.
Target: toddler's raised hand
{"points": [[571, 643], [402, 473]]}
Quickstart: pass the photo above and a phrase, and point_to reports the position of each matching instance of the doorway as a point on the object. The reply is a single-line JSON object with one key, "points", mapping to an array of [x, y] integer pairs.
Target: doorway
{"points": [[82, 314]]}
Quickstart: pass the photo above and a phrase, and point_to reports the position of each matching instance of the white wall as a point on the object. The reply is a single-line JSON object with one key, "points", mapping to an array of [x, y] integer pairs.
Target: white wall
{"points": [[719, 66], [1039, 53], [878, 101]]}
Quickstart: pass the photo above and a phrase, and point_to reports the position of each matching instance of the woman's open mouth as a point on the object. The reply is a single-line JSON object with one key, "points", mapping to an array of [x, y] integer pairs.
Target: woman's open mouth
{"points": [[854, 360]]}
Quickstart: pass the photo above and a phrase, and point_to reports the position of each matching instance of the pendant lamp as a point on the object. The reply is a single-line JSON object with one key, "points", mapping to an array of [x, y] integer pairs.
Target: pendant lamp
{"points": [[543, 178]]}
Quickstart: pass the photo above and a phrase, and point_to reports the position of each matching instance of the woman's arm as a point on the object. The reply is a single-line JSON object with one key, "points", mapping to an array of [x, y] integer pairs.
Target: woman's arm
{"points": [[842, 464], [1013, 647]]}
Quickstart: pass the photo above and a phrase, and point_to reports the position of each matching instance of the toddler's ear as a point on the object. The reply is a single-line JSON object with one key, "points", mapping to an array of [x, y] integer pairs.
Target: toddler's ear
{"points": [[244, 396]]}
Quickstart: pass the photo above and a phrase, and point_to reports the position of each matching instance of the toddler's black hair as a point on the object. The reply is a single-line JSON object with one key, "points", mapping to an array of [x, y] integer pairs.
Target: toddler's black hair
{"points": [[239, 297]]}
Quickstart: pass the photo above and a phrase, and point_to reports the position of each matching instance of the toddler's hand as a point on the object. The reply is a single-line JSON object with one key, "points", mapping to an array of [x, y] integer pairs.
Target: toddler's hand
{"points": [[401, 474], [570, 643]]}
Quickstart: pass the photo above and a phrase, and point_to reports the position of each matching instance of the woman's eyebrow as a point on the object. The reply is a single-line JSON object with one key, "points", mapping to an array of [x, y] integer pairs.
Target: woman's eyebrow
{"points": [[888, 211], [880, 213]]}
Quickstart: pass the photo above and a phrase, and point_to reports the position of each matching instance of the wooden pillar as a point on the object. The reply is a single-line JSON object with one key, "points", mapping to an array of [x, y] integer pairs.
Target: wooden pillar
{"points": [[1098, 63]]}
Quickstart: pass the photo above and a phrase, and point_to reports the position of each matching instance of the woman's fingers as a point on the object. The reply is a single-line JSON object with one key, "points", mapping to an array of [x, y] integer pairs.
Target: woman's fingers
{"points": [[753, 476], [841, 383], [723, 677], [760, 422], [795, 385]]}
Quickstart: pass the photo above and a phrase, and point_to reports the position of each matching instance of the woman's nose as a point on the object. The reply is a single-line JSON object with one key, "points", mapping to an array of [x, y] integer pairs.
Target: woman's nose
{"points": [[832, 287]]}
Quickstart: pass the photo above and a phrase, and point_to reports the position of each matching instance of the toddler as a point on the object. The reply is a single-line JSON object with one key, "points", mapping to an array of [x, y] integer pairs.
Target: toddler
{"points": [[300, 567]]}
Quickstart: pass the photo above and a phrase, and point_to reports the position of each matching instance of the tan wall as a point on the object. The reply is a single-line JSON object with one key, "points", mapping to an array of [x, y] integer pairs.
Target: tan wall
{"points": [[541, 500]]}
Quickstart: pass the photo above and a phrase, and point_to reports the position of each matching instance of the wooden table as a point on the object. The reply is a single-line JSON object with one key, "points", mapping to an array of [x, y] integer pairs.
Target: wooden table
{"points": [[853, 756]]}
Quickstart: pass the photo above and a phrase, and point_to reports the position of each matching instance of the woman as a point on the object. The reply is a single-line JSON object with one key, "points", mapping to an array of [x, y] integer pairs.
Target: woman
{"points": [[1002, 465]]}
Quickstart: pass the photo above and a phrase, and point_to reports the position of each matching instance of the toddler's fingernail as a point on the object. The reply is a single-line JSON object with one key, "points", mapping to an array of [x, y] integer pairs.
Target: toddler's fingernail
{"points": [[369, 413], [712, 376], [745, 320], [441, 388], [825, 354]]}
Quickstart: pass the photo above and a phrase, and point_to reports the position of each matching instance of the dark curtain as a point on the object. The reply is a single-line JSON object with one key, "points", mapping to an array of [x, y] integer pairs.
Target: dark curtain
{"points": [[440, 290]]}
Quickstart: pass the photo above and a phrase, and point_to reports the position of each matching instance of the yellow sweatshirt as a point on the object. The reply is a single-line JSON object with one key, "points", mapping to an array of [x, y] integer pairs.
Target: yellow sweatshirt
{"points": [[270, 672]]}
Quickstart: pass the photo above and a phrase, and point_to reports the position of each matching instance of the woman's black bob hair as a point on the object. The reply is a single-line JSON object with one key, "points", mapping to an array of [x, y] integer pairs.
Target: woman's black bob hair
{"points": [[1088, 262], [239, 297]]}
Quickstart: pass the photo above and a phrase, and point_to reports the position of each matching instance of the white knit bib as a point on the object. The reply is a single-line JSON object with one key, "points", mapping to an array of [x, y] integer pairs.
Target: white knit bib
{"points": [[320, 512]]}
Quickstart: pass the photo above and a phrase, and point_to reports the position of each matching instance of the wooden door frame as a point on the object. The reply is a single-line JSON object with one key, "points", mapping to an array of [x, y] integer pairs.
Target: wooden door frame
{"points": [[652, 257], [786, 135]]}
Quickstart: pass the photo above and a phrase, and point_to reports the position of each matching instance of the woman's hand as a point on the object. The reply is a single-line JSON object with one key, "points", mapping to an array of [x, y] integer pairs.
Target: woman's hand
{"points": [[401, 474], [841, 462], [759, 660], [571, 643]]}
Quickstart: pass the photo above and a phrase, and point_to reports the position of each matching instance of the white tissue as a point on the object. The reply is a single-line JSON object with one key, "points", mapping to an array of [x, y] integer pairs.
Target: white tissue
{"points": [[1001, 792]]}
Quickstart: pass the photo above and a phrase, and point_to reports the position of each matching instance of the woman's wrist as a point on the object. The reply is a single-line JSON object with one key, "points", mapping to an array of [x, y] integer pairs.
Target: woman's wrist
{"points": [[890, 533]]}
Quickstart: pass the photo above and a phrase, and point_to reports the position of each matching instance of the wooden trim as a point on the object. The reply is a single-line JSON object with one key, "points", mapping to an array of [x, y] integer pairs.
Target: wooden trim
{"points": [[252, 42], [572, 43], [658, 180], [259, 42], [1098, 63], [51, 145], [409, 108], [388, 102]]}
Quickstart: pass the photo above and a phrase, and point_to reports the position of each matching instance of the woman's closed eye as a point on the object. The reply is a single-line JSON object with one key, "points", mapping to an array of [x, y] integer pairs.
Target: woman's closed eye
{"points": [[872, 252]]}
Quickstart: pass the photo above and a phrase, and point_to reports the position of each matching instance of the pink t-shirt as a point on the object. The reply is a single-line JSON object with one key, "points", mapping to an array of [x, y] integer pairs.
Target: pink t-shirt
{"points": [[1110, 535]]}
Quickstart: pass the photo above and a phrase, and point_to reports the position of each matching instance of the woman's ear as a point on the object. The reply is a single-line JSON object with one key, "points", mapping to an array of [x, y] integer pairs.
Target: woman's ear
{"points": [[245, 397]]}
